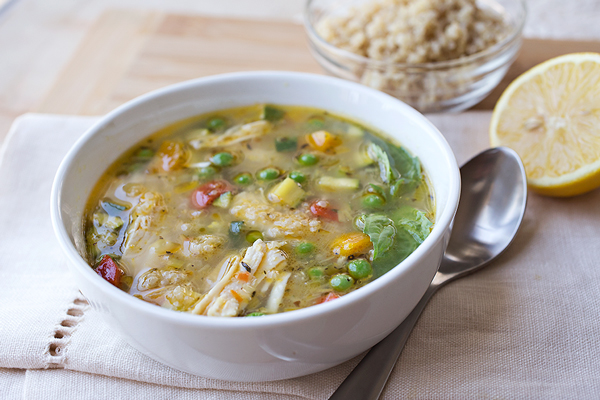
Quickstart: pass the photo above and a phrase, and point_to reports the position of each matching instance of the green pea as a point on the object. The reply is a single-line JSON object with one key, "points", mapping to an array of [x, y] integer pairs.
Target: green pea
{"points": [[214, 124], [268, 174], [315, 273], [359, 269], [223, 159], [255, 314], [308, 159], [206, 172], [373, 201], [305, 248], [341, 282], [253, 236], [297, 176], [243, 179]]}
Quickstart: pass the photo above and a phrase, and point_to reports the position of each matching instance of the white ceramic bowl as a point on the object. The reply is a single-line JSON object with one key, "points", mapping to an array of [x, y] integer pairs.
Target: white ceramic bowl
{"points": [[277, 346]]}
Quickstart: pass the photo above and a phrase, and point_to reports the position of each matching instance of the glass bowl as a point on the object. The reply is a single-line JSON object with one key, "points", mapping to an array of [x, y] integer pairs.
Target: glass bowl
{"points": [[453, 85]]}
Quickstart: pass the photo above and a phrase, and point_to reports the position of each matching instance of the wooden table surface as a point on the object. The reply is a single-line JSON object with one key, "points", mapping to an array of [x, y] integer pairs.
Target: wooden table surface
{"points": [[127, 52]]}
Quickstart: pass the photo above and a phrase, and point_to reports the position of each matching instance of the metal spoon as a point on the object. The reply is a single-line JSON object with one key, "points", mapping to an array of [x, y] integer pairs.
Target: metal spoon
{"points": [[490, 211]]}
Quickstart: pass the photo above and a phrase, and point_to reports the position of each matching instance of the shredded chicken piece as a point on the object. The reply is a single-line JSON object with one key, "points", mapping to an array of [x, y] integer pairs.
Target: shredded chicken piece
{"points": [[276, 295], [144, 215], [203, 245], [232, 293], [155, 278], [259, 214], [182, 297], [235, 134]]}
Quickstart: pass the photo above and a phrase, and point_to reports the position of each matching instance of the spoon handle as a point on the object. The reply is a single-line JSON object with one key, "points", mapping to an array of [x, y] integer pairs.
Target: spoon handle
{"points": [[367, 380]]}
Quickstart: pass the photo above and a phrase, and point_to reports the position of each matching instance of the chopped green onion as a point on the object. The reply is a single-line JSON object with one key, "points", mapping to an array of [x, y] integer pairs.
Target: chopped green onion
{"points": [[286, 144], [272, 114]]}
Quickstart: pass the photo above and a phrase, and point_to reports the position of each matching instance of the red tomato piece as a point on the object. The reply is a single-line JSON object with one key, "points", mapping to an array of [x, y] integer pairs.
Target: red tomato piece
{"points": [[205, 194], [328, 297], [109, 270], [322, 208]]}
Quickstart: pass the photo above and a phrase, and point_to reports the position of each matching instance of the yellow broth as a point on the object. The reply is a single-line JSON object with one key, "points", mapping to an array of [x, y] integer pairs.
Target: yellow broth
{"points": [[256, 210]]}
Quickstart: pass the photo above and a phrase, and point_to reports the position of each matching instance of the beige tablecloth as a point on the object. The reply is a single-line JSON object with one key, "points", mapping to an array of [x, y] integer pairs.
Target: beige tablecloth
{"points": [[527, 326]]}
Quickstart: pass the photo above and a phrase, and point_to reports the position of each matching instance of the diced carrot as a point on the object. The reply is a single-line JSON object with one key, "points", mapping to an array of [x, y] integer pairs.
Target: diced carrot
{"points": [[236, 295], [243, 276]]}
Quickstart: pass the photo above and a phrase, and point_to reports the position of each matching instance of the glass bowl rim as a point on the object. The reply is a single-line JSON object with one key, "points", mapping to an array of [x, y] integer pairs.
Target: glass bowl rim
{"points": [[437, 65]]}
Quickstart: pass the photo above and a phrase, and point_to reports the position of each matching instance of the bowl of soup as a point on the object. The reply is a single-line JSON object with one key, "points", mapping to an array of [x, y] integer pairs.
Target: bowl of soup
{"points": [[256, 226]]}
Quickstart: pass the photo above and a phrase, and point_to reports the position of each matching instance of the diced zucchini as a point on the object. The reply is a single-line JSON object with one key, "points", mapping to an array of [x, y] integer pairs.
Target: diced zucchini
{"points": [[288, 192], [355, 131], [337, 184], [99, 219], [223, 200], [286, 144], [271, 113], [114, 223]]}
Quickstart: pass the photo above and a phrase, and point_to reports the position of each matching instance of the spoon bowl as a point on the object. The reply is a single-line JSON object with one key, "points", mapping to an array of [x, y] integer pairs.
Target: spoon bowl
{"points": [[491, 207], [490, 211]]}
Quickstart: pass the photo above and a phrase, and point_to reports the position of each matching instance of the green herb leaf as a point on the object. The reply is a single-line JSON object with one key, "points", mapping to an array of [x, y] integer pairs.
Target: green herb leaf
{"points": [[408, 167], [403, 186], [378, 189], [416, 224], [397, 167], [404, 245], [381, 231], [380, 156]]}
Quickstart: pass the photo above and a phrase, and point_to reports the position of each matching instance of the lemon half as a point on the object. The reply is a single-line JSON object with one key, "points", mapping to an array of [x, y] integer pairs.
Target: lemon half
{"points": [[550, 116]]}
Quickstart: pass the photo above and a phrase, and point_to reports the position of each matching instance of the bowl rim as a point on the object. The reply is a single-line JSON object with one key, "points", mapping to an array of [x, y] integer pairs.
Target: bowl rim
{"points": [[77, 262], [429, 66]]}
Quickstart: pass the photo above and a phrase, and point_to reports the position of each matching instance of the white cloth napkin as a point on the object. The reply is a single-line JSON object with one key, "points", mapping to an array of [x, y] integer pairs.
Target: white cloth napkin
{"points": [[527, 326]]}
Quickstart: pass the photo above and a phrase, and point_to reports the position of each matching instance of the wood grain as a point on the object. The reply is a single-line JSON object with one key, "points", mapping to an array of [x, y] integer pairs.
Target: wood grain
{"points": [[128, 53], [91, 77]]}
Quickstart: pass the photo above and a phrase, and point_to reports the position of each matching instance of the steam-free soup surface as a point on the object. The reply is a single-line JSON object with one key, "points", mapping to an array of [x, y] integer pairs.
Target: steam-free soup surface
{"points": [[256, 210]]}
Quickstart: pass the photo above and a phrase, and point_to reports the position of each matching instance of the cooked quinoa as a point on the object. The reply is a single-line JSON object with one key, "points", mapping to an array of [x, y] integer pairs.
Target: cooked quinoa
{"points": [[414, 31]]}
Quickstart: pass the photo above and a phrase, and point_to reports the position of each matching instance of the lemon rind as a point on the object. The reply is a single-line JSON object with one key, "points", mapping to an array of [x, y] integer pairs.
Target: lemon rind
{"points": [[571, 179]]}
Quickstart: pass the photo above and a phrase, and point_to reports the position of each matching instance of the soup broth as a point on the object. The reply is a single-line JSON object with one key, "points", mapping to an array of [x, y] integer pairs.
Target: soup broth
{"points": [[256, 210]]}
